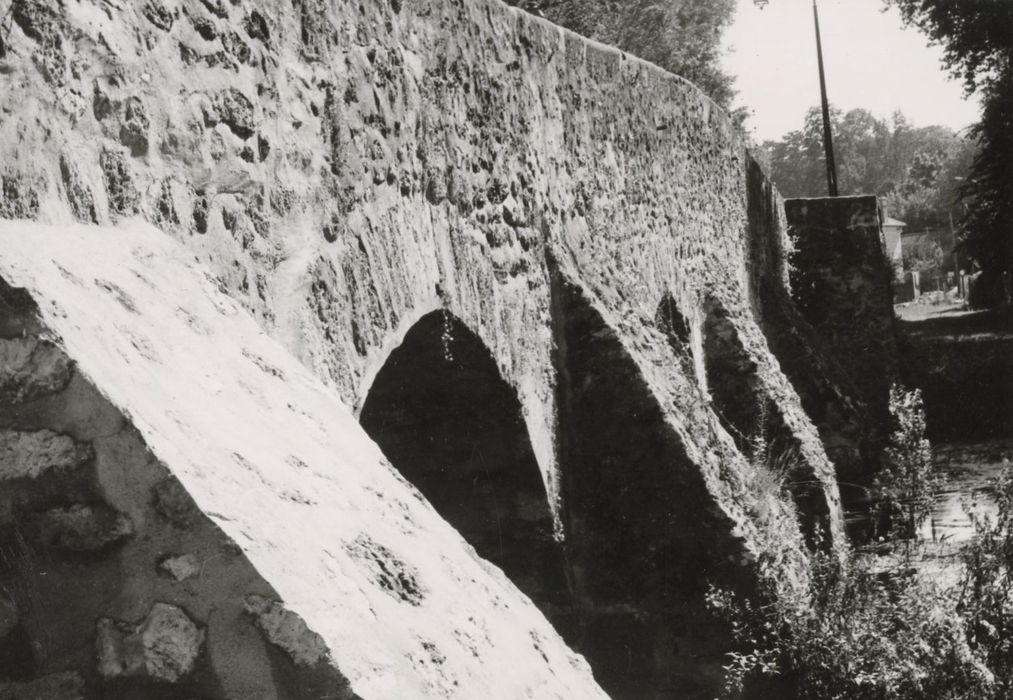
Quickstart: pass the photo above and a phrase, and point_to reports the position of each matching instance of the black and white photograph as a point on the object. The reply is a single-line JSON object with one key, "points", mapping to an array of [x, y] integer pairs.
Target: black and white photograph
{"points": [[506, 349]]}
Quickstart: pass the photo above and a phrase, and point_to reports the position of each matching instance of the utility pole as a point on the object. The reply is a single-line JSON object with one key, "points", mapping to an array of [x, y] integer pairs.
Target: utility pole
{"points": [[828, 139], [956, 264], [953, 236]]}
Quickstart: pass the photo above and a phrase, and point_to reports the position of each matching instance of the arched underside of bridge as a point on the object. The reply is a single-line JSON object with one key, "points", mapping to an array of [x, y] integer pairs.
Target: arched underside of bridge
{"points": [[644, 535], [442, 413]]}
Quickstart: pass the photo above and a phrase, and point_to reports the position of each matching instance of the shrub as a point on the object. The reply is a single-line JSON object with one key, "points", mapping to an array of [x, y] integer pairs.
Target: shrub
{"points": [[868, 628], [906, 485], [986, 588], [859, 633]]}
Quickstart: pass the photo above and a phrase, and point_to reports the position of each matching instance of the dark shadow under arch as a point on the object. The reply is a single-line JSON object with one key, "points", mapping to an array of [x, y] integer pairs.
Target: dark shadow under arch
{"points": [[644, 535], [447, 420]]}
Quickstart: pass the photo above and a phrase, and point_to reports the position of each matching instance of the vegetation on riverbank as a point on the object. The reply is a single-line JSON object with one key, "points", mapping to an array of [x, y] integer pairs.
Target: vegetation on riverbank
{"points": [[874, 628]]}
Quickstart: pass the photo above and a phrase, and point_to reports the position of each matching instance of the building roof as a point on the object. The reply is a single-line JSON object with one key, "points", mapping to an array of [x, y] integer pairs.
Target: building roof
{"points": [[890, 221]]}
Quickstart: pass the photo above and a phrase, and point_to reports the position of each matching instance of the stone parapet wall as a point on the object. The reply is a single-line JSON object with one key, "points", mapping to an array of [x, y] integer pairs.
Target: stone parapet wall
{"points": [[841, 284]]}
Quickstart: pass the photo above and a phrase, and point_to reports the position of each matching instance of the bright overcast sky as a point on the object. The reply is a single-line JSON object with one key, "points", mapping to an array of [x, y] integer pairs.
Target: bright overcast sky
{"points": [[871, 61]]}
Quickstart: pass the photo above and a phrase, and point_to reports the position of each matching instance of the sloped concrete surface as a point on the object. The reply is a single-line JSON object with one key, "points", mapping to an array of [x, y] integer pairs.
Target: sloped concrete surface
{"points": [[280, 465]]}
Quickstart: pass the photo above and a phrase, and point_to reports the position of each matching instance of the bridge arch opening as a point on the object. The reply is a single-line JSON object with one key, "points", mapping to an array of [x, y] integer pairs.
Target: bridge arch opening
{"points": [[756, 423], [644, 535], [444, 416]]}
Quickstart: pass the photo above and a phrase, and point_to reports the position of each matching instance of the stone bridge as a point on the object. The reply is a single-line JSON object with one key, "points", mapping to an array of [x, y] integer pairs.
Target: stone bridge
{"points": [[547, 278]]}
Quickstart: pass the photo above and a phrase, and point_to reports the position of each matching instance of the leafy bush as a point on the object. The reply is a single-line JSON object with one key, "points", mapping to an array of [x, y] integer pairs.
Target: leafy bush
{"points": [[986, 590], [868, 628], [859, 633], [906, 485]]}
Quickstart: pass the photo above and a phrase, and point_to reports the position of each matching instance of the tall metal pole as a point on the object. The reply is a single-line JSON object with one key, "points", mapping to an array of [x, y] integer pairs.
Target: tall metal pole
{"points": [[828, 139]]}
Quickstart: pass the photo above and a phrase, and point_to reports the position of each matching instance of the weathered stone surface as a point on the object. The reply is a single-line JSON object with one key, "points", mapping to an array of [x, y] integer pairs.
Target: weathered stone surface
{"points": [[42, 22], [234, 109], [30, 368], [77, 191], [8, 615], [182, 567], [390, 572], [432, 170], [19, 198], [61, 594], [841, 284], [275, 466], [164, 646], [286, 630], [57, 686], [123, 197], [29, 454], [829, 394], [426, 157], [79, 528], [174, 503]]}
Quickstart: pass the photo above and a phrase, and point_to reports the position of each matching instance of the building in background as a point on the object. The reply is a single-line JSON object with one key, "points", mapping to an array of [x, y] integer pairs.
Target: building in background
{"points": [[893, 229]]}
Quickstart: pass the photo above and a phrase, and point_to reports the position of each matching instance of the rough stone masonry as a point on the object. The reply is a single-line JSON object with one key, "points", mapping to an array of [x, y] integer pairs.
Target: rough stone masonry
{"points": [[543, 274], [279, 556]]}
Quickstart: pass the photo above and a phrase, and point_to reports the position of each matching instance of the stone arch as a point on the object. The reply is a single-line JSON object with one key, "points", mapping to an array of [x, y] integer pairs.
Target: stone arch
{"points": [[447, 420], [644, 534], [753, 418]]}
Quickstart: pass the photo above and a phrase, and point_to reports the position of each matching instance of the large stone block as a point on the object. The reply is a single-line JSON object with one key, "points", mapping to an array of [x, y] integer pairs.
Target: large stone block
{"points": [[164, 646], [30, 454], [30, 368]]}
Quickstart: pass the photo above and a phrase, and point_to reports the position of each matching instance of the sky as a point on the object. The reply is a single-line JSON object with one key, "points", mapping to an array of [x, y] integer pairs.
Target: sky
{"points": [[871, 60]]}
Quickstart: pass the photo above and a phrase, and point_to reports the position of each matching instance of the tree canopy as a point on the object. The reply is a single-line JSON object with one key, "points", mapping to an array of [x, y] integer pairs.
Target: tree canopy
{"points": [[977, 39], [976, 36], [917, 171], [681, 36]]}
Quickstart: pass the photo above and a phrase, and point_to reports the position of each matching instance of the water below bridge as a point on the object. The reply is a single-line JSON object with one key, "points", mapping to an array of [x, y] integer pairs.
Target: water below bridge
{"points": [[970, 470]]}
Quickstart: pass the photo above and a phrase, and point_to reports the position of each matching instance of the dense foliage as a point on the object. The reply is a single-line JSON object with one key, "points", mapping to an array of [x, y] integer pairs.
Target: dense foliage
{"points": [[986, 598], [977, 39], [907, 484], [858, 633], [681, 36], [877, 629], [918, 171]]}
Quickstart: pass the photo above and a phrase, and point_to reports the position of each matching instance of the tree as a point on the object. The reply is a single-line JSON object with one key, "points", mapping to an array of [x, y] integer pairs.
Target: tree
{"points": [[917, 171], [976, 36], [681, 36], [977, 39]]}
